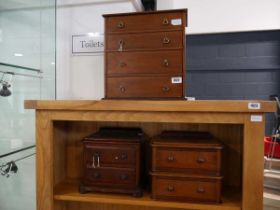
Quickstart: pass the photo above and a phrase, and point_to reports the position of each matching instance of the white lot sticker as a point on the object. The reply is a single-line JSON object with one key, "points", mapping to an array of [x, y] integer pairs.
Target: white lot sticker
{"points": [[176, 80], [254, 105], [176, 22], [256, 118], [190, 98]]}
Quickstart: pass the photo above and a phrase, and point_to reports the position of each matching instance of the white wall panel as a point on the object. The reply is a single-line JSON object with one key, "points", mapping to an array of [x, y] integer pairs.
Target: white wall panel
{"points": [[219, 16], [82, 76]]}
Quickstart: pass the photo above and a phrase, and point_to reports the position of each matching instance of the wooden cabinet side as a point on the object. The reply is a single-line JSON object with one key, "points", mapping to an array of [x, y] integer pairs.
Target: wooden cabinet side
{"points": [[44, 161]]}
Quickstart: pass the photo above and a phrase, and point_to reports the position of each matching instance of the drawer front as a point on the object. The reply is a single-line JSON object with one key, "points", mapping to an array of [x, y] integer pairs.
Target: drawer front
{"points": [[145, 62], [103, 176], [200, 190], [142, 87], [146, 22], [187, 160], [103, 156], [144, 41]]}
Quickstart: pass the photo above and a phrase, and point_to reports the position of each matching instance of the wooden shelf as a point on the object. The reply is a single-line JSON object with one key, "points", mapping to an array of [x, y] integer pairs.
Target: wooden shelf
{"points": [[69, 192]]}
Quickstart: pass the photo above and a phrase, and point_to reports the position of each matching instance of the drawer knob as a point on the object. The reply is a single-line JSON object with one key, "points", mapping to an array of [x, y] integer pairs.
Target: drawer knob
{"points": [[165, 21], [166, 40], [121, 44], [122, 64], [200, 190], [170, 158], [96, 175], [201, 160], [124, 177], [165, 88], [122, 89], [124, 156], [170, 188], [165, 63], [121, 24]]}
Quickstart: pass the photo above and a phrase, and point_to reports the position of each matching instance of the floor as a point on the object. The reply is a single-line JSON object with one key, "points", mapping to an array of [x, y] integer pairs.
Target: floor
{"points": [[272, 184], [271, 199]]}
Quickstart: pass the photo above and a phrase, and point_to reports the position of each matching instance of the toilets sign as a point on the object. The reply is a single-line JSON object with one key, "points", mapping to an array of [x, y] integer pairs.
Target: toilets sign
{"points": [[88, 43]]}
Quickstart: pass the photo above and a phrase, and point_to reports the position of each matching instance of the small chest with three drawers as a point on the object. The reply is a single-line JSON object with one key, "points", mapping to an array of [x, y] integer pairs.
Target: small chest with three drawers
{"points": [[111, 161], [186, 166], [145, 55]]}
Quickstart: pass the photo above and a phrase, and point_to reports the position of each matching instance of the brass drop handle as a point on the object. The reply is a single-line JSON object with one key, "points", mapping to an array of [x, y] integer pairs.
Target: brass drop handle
{"points": [[165, 88], [121, 44], [170, 158], [165, 63], [165, 21], [122, 64], [93, 162], [170, 188], [98, 163], [201, 160], [166, 40], [121, 24], [122, 89], [124, 177], [95, 158], [200, 190]]}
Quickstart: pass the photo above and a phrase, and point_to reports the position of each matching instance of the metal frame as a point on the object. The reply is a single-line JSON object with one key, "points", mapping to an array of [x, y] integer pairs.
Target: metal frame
{"points": [[20, 74], [10, 167], [275, 134]]}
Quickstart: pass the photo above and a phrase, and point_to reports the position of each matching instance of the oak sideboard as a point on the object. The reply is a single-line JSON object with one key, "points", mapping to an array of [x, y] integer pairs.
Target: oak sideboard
{"points": [[61, 125]]}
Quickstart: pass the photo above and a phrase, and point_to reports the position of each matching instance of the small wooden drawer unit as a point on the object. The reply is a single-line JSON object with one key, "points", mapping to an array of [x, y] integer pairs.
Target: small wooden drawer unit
{"points": [[156, 63], [145, 55], [111, 161], [168, 20], [184, 187], [138, 42], [186, 166], [159, 86]]}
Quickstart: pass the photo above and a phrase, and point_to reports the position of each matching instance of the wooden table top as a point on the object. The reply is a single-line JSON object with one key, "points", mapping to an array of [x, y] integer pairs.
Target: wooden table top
{"points": [[237, 106]]}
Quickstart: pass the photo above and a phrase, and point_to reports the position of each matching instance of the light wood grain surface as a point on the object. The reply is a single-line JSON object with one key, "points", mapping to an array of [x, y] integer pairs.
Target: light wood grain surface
{"points": [[69, 192], [141, 105]]}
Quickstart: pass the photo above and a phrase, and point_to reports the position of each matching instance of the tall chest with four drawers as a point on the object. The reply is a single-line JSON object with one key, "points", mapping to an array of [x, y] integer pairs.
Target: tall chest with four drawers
{"points": [[145, 55]]}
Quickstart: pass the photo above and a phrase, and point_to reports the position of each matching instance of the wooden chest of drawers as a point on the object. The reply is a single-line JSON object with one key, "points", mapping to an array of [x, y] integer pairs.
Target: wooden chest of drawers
{"points": [[186, 167], [111, 161], [145, 55]]}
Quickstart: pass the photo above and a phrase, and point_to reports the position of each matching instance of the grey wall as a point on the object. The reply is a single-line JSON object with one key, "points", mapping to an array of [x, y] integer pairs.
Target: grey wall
{"points": [[234, 66]]}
